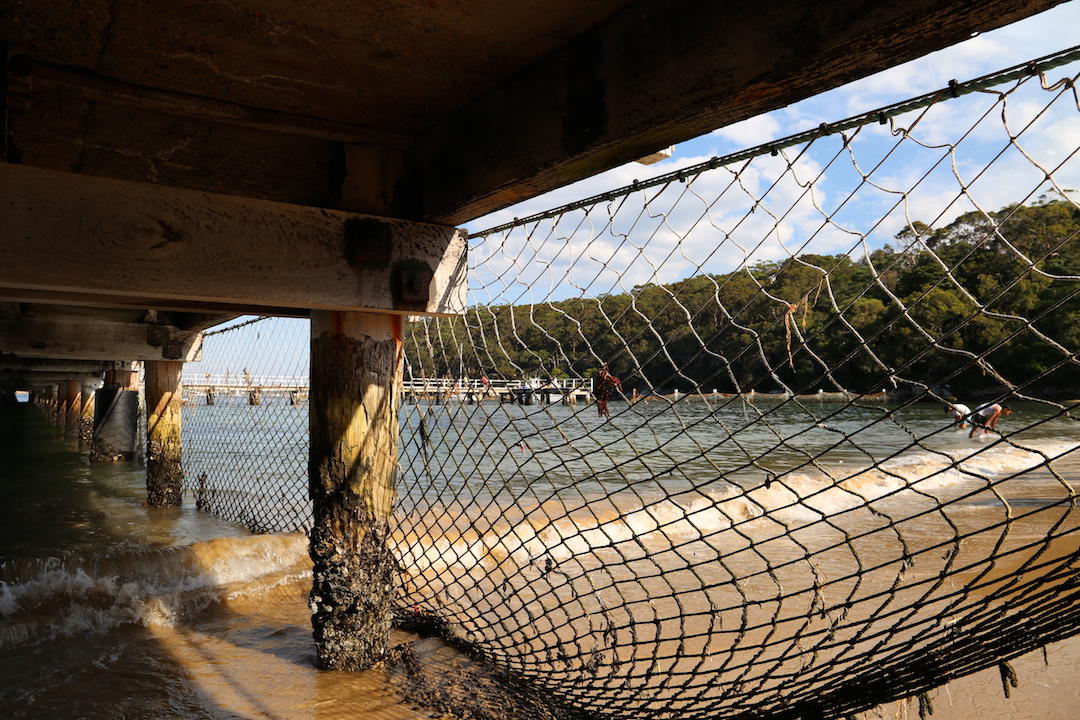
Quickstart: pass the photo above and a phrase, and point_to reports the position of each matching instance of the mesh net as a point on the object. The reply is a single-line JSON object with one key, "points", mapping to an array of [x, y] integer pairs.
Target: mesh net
{"points": [[786, 433], [245, 426]]}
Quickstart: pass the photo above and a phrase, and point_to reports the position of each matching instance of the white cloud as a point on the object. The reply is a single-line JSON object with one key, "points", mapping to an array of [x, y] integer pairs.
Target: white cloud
{"points": [[968, 59], [752, 131]]}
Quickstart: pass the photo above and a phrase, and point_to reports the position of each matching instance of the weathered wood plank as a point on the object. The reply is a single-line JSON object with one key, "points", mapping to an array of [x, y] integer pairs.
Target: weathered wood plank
{"points": [[399, 66], [660, 72], [77, 338], [77, 234], [89, 85]]}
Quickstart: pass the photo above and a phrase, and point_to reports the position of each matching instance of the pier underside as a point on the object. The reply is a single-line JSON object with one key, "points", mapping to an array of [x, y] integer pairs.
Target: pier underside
{"points": [[169, 166]]}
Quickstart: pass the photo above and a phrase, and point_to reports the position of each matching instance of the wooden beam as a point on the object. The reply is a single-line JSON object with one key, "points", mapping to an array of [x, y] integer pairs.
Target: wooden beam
{"points": [[78, 234], [197, 321], [660, 72], [94, 86], [78, 338], [18, 365], [106, 300], [41, 379]]}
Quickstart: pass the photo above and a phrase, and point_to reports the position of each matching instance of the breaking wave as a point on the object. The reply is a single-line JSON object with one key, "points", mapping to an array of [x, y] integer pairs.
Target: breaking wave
{"points": [[53, 597], [775, 506]]}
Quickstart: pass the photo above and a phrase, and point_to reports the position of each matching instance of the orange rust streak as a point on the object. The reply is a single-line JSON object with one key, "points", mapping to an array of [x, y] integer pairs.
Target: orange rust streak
{"points": [[395, 330]]}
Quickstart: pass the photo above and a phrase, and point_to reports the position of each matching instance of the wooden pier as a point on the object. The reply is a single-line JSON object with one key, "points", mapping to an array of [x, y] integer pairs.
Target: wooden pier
{"points": [[570, 391]]}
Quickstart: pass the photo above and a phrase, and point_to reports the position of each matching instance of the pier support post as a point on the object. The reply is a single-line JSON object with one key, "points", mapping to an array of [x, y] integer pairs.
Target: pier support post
{"points": [[116, 417], [164, 393], [72, 407], [52, 404], [356, 370], [61, 406], [86, 414], [355, 391]]}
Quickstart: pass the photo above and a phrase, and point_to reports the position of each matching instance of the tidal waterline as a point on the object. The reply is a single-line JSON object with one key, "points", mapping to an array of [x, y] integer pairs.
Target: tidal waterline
{"points": [[113, 609]]}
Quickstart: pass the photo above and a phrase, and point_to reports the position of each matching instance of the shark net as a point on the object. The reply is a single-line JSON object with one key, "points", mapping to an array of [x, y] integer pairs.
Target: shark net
{"points": [[783, 433]]}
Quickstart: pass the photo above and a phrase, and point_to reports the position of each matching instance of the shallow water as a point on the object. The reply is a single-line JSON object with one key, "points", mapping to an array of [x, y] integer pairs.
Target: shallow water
{"points": [[110, 609]]}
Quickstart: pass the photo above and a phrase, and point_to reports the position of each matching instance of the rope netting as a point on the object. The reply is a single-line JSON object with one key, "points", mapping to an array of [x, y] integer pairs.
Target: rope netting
{"points": [[786, 433], [245, 424]]}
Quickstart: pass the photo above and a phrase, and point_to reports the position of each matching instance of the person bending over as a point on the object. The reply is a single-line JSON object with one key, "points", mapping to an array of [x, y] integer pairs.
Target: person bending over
{"points": [[986, 417], [960, 413]]}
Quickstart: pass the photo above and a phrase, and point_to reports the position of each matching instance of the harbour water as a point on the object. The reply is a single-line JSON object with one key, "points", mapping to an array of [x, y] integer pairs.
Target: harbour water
{"points": [[110, 609]]}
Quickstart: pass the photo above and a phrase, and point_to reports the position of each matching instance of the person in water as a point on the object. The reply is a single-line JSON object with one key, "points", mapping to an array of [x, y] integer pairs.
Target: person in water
{"points": [[986, 417], [960, 413], [605, 384]]}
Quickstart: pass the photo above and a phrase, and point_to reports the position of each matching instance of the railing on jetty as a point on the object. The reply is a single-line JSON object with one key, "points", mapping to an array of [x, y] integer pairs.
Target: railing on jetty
{"points": [[571, 390], [683, 547], [227, 385]]}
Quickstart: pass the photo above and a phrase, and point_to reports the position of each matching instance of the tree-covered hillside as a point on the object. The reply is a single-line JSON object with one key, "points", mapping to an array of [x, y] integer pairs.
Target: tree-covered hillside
{"points": [[1003, 286]]}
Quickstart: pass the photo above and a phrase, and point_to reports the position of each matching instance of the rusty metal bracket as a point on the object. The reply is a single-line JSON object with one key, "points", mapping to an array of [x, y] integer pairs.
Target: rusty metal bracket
{"points": [[157, 335], [171, 341], [410, 284]]}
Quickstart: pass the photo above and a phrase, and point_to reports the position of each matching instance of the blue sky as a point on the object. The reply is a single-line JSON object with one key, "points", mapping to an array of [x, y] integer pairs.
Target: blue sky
{"points": [[723, 220], [810, 199]]}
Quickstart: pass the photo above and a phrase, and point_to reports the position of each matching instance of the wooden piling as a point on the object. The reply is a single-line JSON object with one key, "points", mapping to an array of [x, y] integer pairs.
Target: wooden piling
{"points": [[355, 391], [356, 368], [164, 393], [52, 404], [72, 402], [86, 414], [115, 417], [60, 411]]}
